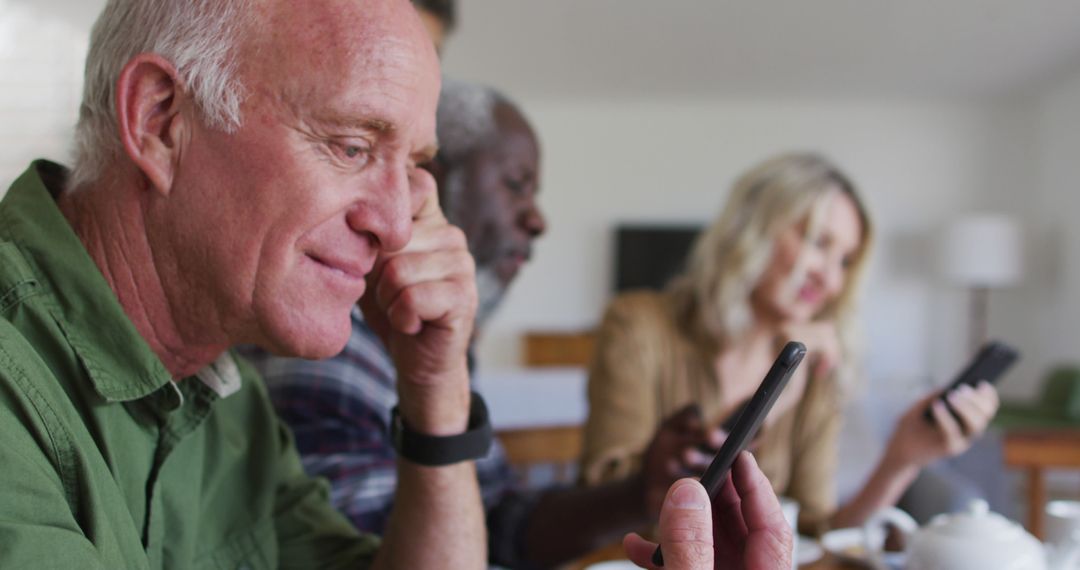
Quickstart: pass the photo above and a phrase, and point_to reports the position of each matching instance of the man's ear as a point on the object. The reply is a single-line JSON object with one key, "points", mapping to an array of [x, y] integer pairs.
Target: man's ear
{"points": [[149, 98]]}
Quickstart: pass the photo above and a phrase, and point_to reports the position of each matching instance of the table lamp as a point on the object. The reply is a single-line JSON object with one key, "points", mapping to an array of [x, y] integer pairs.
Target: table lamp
{"points": [[981, 252]]}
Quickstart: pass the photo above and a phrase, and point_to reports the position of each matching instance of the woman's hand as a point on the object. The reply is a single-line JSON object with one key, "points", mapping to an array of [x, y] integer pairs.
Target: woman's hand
{"points": [[822, 343], [918, 442]]}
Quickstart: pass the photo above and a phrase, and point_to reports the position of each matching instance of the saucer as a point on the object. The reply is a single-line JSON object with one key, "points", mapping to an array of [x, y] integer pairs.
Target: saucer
{"points": [[849, 544], [808, 551], [613, 565]]}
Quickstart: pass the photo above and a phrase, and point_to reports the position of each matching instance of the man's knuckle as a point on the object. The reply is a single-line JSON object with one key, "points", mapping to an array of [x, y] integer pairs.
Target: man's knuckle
{"points": [[455, 237], [688, 555], [467, 262], [408, 298], [395, 271], [690, 534]]}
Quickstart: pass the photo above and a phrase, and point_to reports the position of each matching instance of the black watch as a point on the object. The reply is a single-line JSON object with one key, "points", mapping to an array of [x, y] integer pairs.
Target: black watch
{"points": [[439, 450]]}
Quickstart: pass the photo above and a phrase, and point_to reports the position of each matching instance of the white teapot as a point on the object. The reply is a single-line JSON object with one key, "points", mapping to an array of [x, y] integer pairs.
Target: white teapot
{"points": [[973, 539]]}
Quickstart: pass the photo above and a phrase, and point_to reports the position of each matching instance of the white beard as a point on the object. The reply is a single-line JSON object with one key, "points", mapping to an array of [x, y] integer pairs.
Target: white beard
{"points": [[489, 292]]}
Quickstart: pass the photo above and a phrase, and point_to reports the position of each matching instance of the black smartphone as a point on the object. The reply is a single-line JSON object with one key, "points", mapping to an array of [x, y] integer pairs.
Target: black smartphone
{"points": [[728, 424], [751, 416], [748, 421], [992, 360]]}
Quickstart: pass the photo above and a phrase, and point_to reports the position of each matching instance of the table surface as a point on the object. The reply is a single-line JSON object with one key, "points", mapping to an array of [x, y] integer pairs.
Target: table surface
{"points": [[1043, 447], [830, 562], [1036, 450]]}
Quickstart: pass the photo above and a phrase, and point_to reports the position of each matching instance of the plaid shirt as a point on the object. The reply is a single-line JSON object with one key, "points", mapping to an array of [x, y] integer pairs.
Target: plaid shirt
{"points": [[339, 412]]}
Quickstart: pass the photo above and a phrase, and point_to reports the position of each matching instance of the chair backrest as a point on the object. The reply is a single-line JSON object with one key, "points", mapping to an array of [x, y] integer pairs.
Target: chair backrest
{"points": [[1061, 392], [554, 448], [558, 348]]}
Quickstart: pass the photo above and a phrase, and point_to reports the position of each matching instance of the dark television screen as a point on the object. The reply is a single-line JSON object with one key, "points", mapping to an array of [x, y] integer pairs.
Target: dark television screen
{"points": [[648, 256]]}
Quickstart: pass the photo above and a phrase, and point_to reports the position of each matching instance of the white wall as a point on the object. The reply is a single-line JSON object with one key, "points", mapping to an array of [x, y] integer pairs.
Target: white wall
{"points": [[41, 62], [1045, 308], [917, 163]]}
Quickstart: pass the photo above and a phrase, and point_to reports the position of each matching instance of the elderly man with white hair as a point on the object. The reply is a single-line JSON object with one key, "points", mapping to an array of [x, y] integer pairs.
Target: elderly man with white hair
{"points": [[245, 171]]}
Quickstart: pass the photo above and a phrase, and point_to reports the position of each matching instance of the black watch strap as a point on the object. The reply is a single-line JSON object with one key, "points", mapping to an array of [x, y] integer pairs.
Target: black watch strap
{"points": [[439, 450]]}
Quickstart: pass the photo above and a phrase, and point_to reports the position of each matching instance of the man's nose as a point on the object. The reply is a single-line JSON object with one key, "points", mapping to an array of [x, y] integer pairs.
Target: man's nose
{"points": [[532, 220], [386, 214]]}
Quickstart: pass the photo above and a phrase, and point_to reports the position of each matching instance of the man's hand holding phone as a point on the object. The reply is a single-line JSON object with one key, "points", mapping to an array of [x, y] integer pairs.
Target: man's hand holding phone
{"points": [[742, 528], [716, 479]]}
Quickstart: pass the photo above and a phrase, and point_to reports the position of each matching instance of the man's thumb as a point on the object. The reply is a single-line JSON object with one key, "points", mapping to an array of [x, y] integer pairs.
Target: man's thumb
{"points": [[686, 527]]}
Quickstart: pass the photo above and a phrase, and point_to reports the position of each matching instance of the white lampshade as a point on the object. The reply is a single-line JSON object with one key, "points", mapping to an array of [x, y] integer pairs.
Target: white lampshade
{"points": [[983, 250]]}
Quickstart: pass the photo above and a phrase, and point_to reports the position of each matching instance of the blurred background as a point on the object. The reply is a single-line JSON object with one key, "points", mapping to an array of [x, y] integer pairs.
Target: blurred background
{"points": [[648, 110]]}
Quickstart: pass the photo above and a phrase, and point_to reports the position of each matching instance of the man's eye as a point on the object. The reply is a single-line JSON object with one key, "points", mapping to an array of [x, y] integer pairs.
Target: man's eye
{"points": [[350, 152], [515, 185], [353, 151]]}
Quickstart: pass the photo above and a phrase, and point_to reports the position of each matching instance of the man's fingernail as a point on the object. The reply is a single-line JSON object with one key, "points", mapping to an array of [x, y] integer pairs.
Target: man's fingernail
{"points": [[686, 497]]}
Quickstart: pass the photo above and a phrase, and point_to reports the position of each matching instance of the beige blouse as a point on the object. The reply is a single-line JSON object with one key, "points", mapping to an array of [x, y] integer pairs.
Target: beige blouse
{"points": [[645, 368]]}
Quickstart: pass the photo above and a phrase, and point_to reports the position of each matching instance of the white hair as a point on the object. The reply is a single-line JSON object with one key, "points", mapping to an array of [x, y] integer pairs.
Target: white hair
{"points": [[465, 122], [197, 36], [466, 117]]}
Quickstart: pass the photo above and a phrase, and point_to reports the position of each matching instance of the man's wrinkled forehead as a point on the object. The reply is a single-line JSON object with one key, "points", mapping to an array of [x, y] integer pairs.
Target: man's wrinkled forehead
{"points": [[345, 43], [351, 25]]}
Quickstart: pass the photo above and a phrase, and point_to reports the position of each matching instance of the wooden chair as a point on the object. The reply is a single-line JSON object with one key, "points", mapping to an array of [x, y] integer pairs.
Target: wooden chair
{"points": [[1036, 451], [558, 348], [527, 449]]}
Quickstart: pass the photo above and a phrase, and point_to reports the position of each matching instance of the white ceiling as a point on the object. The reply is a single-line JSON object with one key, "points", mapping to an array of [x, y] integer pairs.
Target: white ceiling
{"points": [[749, 48], [772, 48]]}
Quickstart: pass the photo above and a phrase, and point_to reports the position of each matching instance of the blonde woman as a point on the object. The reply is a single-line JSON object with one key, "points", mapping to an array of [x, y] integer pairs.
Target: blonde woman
{"points": [[782, 262]]}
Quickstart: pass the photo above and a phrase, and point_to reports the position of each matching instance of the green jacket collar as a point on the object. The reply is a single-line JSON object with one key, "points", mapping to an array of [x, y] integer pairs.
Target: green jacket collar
{"points": [[42, 257]]}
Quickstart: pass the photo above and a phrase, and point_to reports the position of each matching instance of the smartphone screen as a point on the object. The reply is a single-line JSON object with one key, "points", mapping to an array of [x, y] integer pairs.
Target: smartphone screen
{"points": [[992, 360], [747, 422]]}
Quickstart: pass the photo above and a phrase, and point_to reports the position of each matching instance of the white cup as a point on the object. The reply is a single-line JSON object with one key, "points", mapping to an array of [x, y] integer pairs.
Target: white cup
{"points": [[1062, 533], [1062, 521], [790, 507]]}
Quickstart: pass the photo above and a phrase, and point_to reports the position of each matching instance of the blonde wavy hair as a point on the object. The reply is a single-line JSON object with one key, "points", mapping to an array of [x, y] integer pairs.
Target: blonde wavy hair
{"points": [[728, 261]]}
